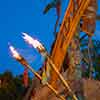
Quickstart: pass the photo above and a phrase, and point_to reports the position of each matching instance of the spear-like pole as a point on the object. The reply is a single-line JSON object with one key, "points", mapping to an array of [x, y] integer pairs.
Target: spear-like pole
{"points": [[36, 44], [20, 59]]}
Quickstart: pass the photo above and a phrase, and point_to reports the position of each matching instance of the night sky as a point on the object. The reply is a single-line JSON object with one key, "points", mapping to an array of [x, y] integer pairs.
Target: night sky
{"points": [[17, 16]]}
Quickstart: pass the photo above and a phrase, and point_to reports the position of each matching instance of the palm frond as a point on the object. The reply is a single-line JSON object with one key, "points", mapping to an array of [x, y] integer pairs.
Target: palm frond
{"points": [[48, 7]]}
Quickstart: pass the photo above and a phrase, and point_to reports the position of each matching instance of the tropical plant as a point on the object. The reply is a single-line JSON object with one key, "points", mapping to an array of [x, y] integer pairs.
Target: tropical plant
{"points": [[11, 87]]}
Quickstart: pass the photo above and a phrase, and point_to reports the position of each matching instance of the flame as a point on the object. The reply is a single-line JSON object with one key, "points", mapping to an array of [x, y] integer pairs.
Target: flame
{"points": [[35, 43], [15, 54]]}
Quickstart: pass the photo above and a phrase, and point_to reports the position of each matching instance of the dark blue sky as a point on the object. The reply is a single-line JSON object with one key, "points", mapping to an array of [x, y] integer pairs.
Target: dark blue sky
{"points": [[18, 16]]}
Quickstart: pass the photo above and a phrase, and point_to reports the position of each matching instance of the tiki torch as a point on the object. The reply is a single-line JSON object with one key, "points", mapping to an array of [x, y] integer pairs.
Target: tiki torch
{"points": [[36, 44], [21, 59]]}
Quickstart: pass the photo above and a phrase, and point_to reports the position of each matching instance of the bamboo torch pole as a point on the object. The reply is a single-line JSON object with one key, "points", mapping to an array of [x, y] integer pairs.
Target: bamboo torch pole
{"points": [[49, 86], [36, 44], [61, 78], [20, 59]]}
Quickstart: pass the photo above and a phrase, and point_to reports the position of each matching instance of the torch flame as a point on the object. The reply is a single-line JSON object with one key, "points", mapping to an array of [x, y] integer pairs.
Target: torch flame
{"points": [[35, 43], [15, 54]]}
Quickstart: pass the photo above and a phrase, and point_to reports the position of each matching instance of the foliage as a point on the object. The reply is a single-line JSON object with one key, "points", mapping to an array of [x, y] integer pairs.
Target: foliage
{"points": [[95, 58], [11, 88]]}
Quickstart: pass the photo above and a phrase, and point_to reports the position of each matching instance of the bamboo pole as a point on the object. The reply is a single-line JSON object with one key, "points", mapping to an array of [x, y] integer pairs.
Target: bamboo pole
{"points": [[40, 78], [49, 86], [61, 77]]}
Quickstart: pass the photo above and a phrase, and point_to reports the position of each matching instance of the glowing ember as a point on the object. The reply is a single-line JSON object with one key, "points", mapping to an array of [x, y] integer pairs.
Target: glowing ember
{"points": [[15, 54], [35, 43]]}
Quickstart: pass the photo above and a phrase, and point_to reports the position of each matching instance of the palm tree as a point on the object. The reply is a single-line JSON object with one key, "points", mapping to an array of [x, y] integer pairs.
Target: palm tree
{"points": [[74, 70]]}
